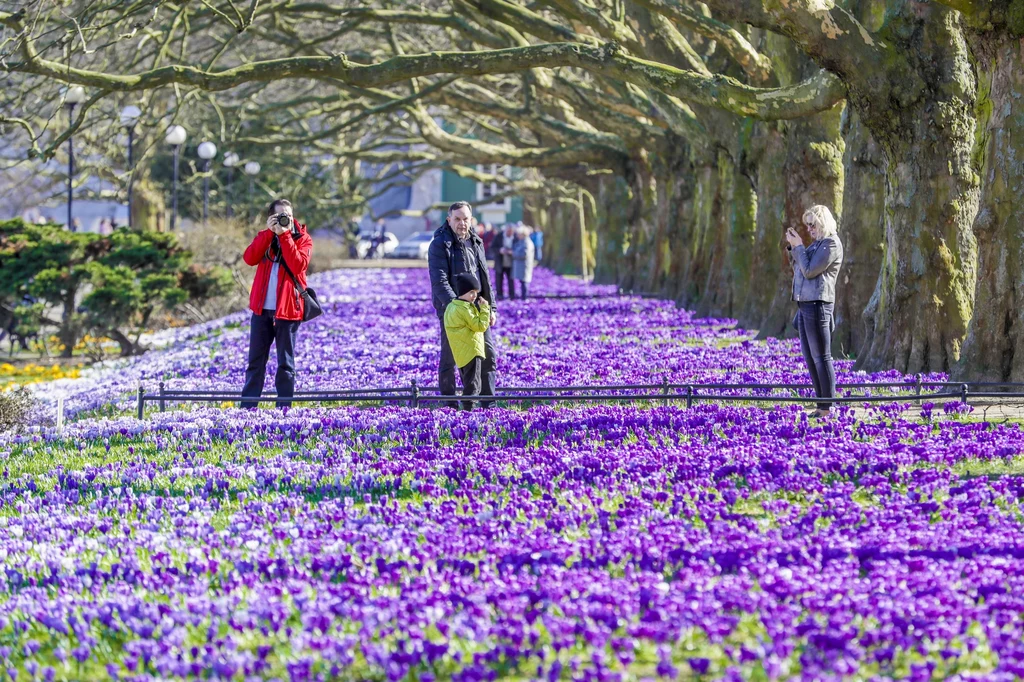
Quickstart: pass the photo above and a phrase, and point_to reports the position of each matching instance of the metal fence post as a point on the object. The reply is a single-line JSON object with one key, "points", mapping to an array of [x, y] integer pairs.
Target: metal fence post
{"points": [[689, 397], [664, 391], [162, 396], [141, 401], [963, 393], [918, 378], [415, 394]]}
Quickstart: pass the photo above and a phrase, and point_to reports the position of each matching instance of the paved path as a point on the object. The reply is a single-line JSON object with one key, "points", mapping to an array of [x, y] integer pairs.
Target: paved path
{"points": [[984, 409]]}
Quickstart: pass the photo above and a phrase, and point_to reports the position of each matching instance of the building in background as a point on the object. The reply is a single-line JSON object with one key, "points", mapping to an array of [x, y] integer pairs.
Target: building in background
{"points": [[428, 194], [508, 209]]}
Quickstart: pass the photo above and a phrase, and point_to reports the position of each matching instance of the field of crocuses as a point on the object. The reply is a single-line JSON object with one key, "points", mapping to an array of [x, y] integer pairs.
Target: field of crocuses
{"points": [[603, 542]]}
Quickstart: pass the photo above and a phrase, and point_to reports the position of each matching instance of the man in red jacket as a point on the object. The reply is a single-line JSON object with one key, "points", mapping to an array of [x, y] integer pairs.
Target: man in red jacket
{"points": [[274, 301]]}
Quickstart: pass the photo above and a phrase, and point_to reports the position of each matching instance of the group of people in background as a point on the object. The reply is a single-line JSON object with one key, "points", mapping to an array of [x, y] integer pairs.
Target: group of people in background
{"points": [[515, 248]]}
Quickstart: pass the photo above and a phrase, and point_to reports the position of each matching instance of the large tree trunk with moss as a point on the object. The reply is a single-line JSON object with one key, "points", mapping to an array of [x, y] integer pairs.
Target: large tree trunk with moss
{"points": [[795, 165], [726, 244], [560, 224], [662, 200], [862, 232], [699, 235], [768, 261], [917, 318], [612, 227], [994, 348], [812, 174]]}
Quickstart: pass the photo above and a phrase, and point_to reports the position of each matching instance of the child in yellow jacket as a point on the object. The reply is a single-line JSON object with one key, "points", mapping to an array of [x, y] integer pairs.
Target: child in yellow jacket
{"points": [[465, 321]]}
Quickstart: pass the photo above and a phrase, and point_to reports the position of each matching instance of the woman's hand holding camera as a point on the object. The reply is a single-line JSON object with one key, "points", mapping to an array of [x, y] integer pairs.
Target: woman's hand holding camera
{"points": [[793, 237]]}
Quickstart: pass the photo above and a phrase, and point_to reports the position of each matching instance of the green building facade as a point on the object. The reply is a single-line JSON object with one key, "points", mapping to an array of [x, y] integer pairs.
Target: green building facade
{"points": [[454, 188]]}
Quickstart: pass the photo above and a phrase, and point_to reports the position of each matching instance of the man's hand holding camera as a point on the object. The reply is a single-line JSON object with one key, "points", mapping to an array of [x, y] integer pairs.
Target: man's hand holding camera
{"points": [[279, 223]]}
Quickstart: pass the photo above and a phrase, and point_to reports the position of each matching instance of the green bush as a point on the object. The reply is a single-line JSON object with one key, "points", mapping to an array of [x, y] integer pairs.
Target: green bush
{"points": [[107, 285]]}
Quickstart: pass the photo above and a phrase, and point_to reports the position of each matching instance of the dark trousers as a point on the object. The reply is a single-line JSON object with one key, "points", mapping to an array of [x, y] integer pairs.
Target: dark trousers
{"points": [[264, 330], [471, 380], [446, 369], [523, 286], [500, 275], [815, 324]]}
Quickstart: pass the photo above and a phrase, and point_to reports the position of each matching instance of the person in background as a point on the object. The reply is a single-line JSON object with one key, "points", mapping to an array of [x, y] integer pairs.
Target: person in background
{"points": [[538, 244], [274, 301], [522, 259], [352, 239], [815, 270], [466, 320], [377, 240], [76, 225], [502, 250], [487, 235]]}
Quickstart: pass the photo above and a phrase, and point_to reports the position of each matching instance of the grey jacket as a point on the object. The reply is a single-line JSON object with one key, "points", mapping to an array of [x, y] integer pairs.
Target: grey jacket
{"points": [[815, 269], [522, 260]]}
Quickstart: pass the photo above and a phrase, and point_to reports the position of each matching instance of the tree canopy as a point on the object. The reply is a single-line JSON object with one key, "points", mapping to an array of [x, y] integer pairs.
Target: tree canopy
{"points": [[632, 101]]}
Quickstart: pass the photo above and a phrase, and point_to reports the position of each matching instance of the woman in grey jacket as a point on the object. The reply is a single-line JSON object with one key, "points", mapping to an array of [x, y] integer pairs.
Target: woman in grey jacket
{"points": [[522, 260], [815, 269]]}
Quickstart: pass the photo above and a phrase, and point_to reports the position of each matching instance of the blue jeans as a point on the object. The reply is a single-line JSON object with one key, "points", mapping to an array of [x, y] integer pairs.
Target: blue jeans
{"points": [[264, 330], [815, 323]]}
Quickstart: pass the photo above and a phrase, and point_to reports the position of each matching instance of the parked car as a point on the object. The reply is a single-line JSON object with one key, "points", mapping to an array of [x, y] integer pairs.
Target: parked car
{"points": [[414, 246], [366, 242]]}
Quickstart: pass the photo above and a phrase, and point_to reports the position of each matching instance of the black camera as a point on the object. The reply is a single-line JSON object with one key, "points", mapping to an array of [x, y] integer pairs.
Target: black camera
{"points": [[284, 220]]}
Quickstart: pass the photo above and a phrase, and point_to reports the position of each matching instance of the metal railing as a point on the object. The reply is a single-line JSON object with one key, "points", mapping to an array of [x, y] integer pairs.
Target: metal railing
{"points": [[414, 395]]}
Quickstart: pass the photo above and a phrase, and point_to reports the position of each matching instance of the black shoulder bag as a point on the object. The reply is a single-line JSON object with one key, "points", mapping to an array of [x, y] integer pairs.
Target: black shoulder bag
{"points": [[312, 307]]}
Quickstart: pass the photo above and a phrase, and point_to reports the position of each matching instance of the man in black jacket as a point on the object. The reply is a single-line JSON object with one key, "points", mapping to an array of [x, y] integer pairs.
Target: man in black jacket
{"points": [[456, 249]]}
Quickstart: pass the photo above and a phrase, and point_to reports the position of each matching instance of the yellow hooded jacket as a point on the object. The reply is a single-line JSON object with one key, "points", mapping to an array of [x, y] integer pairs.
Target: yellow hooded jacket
{"points": [[465, 325]]}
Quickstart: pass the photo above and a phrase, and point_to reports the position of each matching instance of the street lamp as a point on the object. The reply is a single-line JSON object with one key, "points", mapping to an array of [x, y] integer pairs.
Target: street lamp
{"points": [[252, 169], [73, 96], [207, 150], [230, 161], [129, 117], [175, 137]]}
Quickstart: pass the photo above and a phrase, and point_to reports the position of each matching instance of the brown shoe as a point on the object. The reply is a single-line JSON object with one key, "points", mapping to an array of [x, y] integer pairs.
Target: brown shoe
{"points": [[820, 413]]}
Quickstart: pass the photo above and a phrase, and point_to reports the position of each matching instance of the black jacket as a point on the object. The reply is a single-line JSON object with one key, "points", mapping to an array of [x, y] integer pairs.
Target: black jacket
{"points": [[447, 259]]}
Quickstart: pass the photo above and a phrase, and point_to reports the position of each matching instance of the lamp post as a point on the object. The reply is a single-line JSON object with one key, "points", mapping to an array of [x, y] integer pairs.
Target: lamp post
{"points": [[175, 137], [230, 161], [129, 117], [252, 169], [207, 150], [73, 96]]}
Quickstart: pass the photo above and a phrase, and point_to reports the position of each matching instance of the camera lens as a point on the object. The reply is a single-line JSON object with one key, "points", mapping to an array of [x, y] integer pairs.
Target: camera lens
{"points": [[284, 220]]}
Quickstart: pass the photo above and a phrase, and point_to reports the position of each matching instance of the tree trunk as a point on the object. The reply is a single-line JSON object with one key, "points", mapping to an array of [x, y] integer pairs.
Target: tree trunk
{"points": [[796, 164], [862, 232], [768, 156], [128, 348], [611, 224], [813, 174], [727, 243], [994, 348], [148, 207], [69, 324], [917, 317], [560, 224], [697, 239]]}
